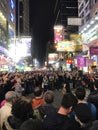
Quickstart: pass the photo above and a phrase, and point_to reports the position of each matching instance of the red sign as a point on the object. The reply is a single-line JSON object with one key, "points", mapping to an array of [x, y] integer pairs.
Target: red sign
{"points": [[70, 61], [94, 50]]}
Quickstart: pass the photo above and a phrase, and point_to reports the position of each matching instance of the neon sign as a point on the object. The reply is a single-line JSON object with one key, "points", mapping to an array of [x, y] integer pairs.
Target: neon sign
{"points": [[12, 4], [12, 17]]}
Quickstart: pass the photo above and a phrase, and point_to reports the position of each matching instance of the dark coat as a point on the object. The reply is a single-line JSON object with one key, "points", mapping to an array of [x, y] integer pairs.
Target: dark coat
{"points": [[56, 121]]}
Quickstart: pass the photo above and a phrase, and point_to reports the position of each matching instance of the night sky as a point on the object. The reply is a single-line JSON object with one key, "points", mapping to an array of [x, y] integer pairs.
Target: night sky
{"points": [[41, 26]]}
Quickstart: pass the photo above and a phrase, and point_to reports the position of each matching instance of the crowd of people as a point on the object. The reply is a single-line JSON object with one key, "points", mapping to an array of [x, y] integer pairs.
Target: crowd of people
{"points": [[69, 110]]}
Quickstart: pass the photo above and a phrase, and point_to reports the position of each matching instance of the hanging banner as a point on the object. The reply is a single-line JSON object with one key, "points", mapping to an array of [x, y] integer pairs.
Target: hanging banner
{"points": [[94, 50], [89, 62], [81, 61]]}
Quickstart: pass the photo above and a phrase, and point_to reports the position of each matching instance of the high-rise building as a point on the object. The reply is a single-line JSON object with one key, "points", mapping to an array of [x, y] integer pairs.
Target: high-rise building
{"points": [[88, 12], [7, 20], [63, 10], [23, 17], [26, 17], [87, 9]]}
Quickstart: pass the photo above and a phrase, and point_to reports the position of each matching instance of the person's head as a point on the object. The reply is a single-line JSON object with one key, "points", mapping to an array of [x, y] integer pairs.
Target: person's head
{"points": [[22, 108], [31, 125], [37, 91], [80, 93], [68, 101], [10, 96], [83, 113], [49, 97]]}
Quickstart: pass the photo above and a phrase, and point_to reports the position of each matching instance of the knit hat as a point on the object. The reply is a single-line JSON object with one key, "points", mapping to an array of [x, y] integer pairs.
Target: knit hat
{"points": [[83, 112]]}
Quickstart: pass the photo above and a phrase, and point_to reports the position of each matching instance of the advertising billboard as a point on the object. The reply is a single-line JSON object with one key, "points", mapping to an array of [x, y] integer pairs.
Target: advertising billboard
{"points": [[19, 47], [52, 58], [94, 50], [58, 33], [68, 46], [81, 61], [74, 21]]}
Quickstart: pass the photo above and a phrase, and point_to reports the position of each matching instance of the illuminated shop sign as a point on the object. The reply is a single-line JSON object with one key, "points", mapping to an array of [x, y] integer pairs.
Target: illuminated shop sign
{"points": [[69, 61], [94, 50], [52, 58], [12, 17], [58, 33], [16, 44], [68, 46], [81, 61], [12, 4]]}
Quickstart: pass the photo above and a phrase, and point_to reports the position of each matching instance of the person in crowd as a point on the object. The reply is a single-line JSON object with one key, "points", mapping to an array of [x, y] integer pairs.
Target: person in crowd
{"points": [[83, 115], [80, 94], [5, 111], [91, 84], [45, 83], [60, 120], [67, 80], [58, 95], [18, 87], [51, 83], [60, 80], [31, 125], [93, 98], [44, 110], [38, 100], [21, 111]]}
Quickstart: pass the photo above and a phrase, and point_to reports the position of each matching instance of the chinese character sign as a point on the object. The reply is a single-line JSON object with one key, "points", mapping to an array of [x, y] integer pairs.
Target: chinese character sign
{"points": [[81, 61]]}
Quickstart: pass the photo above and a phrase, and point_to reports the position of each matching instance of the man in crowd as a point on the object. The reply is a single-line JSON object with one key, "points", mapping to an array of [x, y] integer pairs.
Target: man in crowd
{"points": [[5, 111], [60, 120], [38, 100]]}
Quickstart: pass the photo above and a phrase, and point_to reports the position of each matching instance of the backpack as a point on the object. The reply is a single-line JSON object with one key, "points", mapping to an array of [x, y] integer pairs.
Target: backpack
{"points": [[37, 114]]}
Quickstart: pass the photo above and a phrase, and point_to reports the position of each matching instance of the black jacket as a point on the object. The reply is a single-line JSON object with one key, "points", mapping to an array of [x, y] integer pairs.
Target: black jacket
{"points": [[12, 123], [56, 121]]}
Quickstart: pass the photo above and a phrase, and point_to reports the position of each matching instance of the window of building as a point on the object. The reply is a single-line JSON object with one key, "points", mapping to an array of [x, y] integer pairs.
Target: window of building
{"points": [[82, 21], [81, 8], [87, 17], [82, 15], [86, 1], [86, 9]]}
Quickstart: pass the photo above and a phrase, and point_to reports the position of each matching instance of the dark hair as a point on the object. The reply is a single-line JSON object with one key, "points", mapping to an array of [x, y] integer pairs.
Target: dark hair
{"points": [[31, 125], [68, 100], [49, 97], [37, 91], [80, 93], [22, 108]]}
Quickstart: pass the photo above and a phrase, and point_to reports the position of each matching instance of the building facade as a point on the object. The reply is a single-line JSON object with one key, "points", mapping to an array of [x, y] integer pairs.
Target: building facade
{"points": [[87, 9], [23, 18], [63, 10], [7, 20]]}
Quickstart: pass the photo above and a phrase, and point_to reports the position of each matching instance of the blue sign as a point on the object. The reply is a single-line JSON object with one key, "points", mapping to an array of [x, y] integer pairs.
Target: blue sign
{"points": [[12, 17], [12, 4], [11, 32]]}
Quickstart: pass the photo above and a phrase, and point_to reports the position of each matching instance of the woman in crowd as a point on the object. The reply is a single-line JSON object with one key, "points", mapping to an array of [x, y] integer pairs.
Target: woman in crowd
{"points": [[21, 111]]}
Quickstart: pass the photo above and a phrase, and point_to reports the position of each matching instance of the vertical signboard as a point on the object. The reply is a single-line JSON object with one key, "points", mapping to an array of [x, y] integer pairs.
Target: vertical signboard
{"points": [[81, 61]]}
